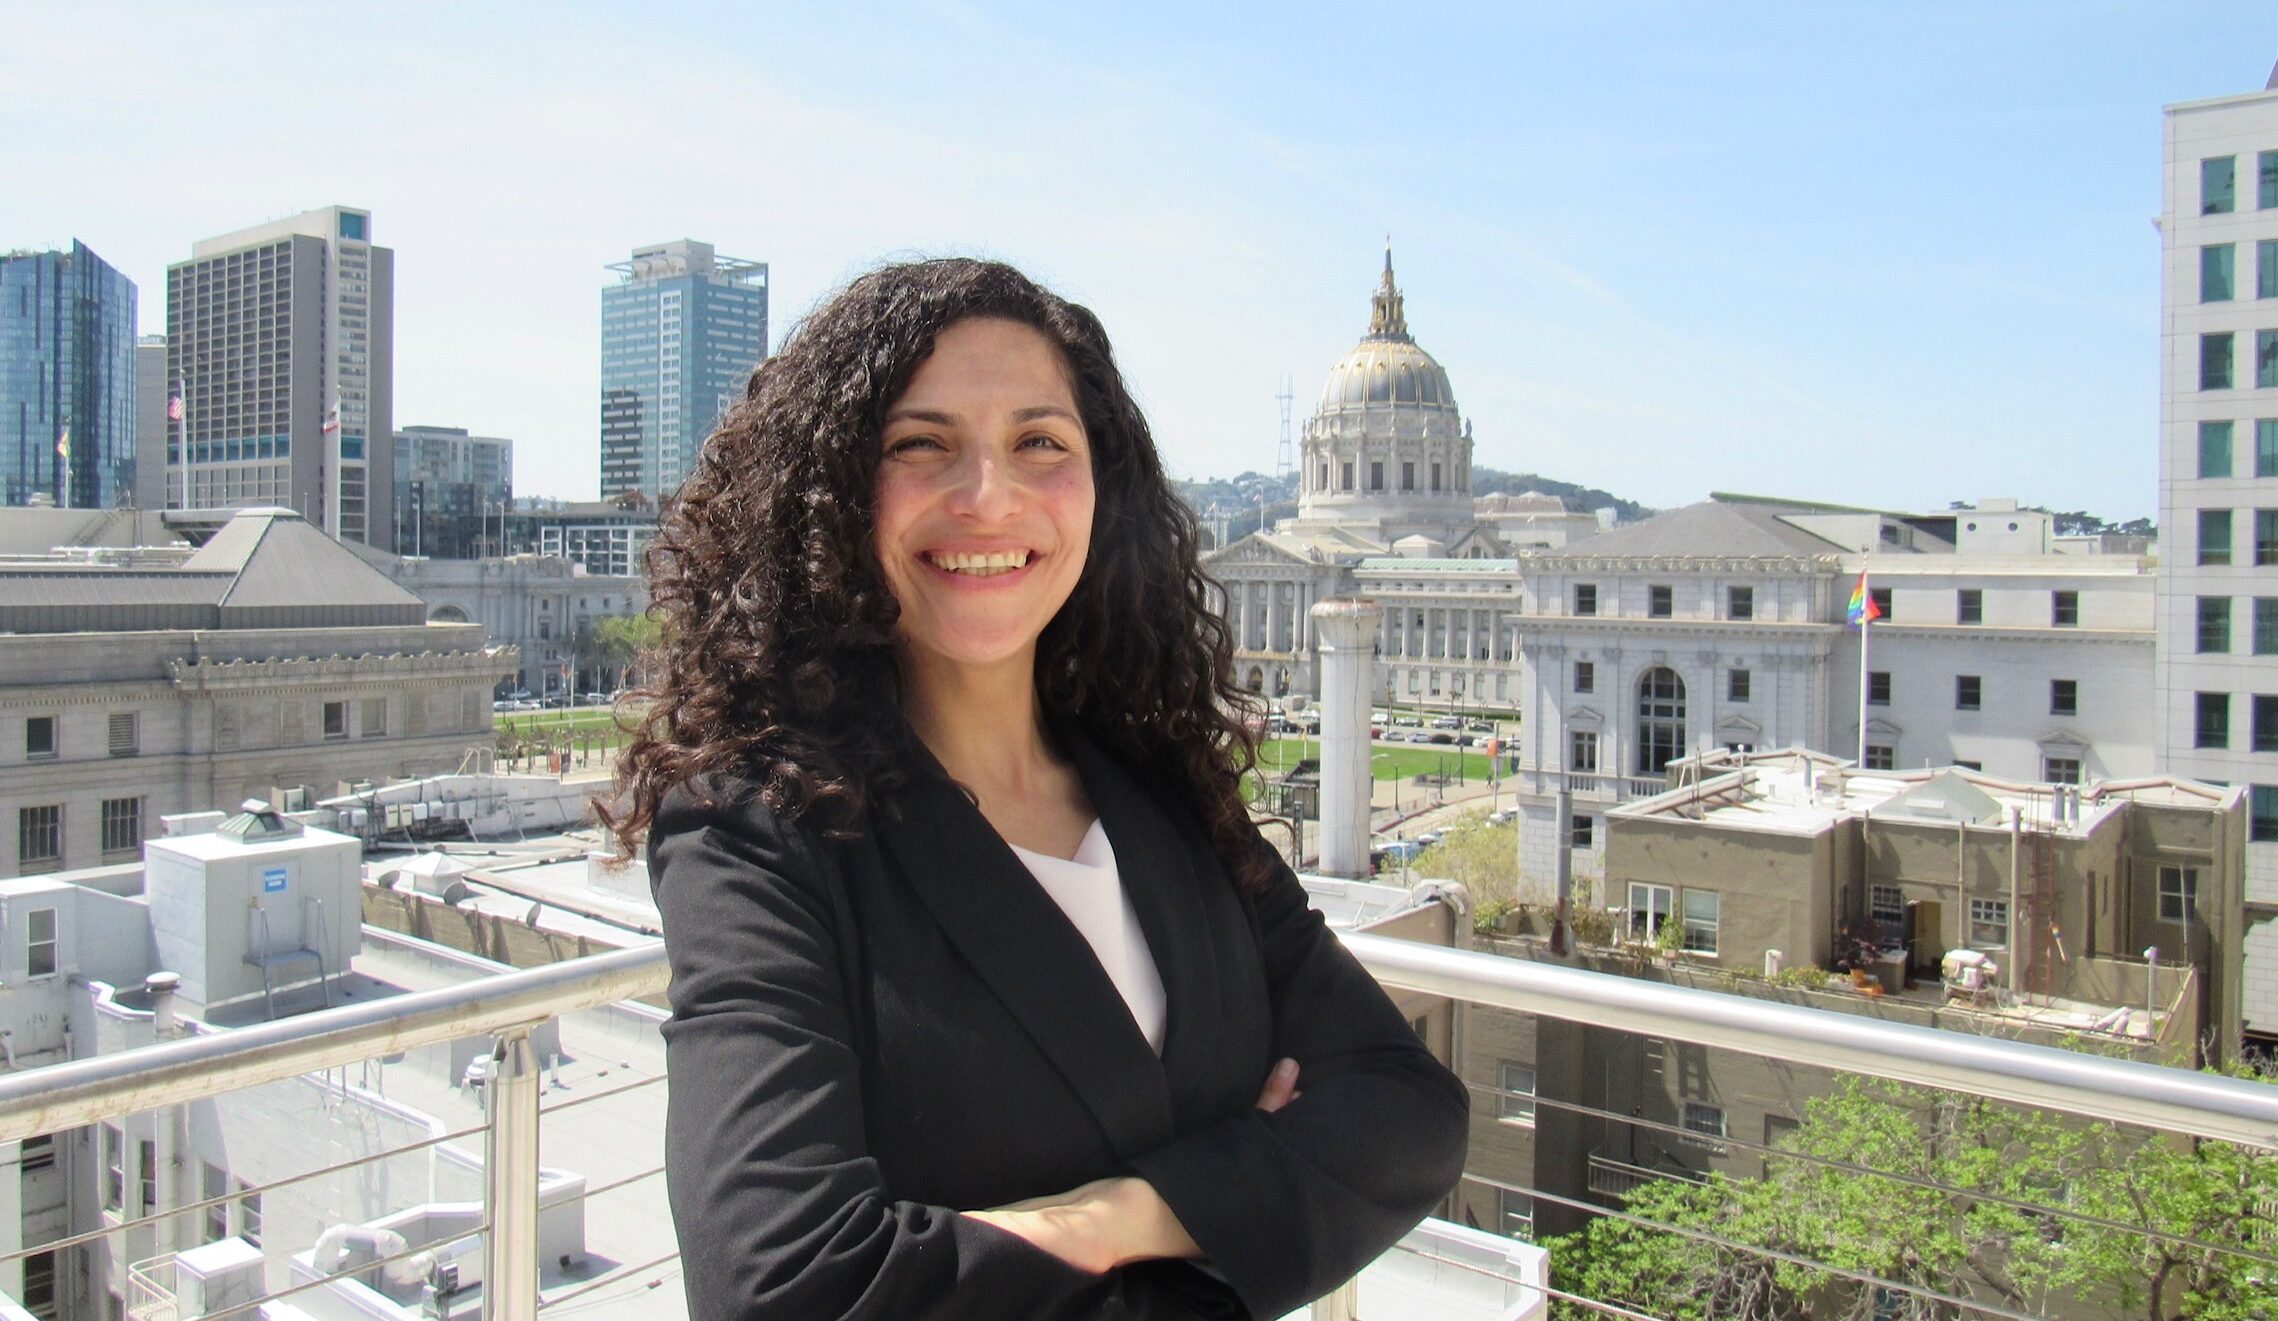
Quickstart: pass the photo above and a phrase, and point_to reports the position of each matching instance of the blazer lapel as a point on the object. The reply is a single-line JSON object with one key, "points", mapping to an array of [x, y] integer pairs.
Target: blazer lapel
{"points": [[1152, 857], [1028, 954]]}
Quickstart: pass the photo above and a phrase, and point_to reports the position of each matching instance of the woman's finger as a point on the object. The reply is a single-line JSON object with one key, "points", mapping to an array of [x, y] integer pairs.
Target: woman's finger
{"points": [[1280, 1088]]}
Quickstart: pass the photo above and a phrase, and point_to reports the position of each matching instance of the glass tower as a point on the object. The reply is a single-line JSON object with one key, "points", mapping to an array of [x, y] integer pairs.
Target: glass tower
{"points": [[67, 380], [681, 331]]}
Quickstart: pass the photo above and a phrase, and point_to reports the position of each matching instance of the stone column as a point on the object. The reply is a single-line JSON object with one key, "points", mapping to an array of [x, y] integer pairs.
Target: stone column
{"points": [[1347, 628], [1273, 615]]}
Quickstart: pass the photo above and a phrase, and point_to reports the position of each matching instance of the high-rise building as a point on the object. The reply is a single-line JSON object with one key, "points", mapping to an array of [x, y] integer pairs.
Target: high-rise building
{"points": [[67, 376], [283, 338], [2216, 657], [153, 390], [681, 331], [450, 490]]}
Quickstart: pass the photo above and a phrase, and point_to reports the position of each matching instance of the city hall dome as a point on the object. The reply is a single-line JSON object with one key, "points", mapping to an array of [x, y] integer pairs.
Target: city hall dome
{"points": [[1387, 367]]}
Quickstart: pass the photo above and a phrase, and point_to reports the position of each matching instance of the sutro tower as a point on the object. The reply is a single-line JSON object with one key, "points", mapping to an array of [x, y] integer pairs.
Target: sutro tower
{"points": [[1285, 458]]}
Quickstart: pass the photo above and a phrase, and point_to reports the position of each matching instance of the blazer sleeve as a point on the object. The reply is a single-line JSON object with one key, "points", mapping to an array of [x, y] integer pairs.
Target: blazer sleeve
{"points": [[1290, 1205], [779, 1210]]}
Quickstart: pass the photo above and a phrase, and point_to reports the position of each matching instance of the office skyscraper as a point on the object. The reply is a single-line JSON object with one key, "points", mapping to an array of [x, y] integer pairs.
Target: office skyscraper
{"points": [[283, 336], [451, 491], [2217, 640], [152, 427], [66, 380], [680, 332]]}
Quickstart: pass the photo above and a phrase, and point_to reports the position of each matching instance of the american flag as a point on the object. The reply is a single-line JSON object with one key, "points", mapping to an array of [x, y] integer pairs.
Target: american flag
{"points": [[173, 408], [332, 418]]}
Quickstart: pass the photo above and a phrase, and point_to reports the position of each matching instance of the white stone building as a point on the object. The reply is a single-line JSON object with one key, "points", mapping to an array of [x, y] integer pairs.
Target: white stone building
{"points": [[266, 660], [1722, 624], [546, 608], [2216, 699]]}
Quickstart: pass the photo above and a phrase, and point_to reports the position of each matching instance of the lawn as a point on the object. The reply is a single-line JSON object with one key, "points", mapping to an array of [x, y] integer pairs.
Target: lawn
{"points": [[1387, 761], [531, 724]]}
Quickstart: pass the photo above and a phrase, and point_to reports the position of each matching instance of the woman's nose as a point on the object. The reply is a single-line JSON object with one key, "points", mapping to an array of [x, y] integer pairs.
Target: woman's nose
{"points": [[986, 489]]}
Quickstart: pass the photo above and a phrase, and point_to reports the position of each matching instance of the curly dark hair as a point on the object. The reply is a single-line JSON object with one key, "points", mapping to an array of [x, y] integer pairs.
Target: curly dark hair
{"points": [[777, 660]]}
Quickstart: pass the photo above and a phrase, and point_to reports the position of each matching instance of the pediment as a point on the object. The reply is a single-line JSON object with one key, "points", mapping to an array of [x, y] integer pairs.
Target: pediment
{"points": [[1878, 725], [1741, 728], [1256, 548], [1585, 717], [2062, 741]]}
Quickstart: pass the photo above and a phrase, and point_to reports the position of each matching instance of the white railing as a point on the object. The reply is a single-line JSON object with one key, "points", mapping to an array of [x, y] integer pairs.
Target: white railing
{"points": [[509, 1006]]}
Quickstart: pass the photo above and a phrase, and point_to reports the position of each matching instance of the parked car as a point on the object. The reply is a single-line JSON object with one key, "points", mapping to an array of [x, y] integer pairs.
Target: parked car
{"points": [[505, 704], [1398, 850], [594, 699], [554, 700], [1480, 727], [1409, 722], [1448, 722], [1443, 736], [1502, 816]]}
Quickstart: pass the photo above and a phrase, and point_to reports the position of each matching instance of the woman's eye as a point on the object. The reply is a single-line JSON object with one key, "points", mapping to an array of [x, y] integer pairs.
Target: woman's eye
{"points": [[913, 445], [1042, 441]]}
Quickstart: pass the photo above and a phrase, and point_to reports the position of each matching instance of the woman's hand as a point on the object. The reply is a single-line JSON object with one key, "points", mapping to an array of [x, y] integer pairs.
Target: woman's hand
{"points": [[1113, 1222]]}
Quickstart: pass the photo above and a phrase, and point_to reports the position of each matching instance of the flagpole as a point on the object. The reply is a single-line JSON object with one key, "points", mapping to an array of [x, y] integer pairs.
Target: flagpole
{"points": [[182, 436], [1866, 630]]}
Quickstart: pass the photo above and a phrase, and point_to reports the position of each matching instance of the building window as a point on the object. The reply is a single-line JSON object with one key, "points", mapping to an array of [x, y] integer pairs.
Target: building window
{"points": [[1968, 691], [2215, 449], [2178, 894], [2215, 264], [1585, 598], [39, 738], [1736, 685], [2266, 268], [2267, 168], [2265, 712], [1881, 757], [1702, 908], [1435, 476], [2064, 609], [1516, 1082], [335, 720], [1345, 474], [1881, 597], [126, 734], [1515, 1214], [1582, 833], [1969, 606], [1649, 907], [122, 825], [248, 1213], [1582, 751], [39, 1285], [1660, 719], [114, 1168], [1878, 688], [2060, 770], [1585, 676], [2215, 353], [1660, 601], [1408, 474], [42, 943], [2064, 697], [1969, 765], [2211, 721], [2266, 447], [2266, 359], [39, 834], [374, 717], [2266, 626], [1376, 474], [2218, 185], [2214, 625], [213, 1184], [1707, 1121], [1989, 923], [1886, 904], [1740, 602], [146, 1154], [2214, 536], [2262, 813]]}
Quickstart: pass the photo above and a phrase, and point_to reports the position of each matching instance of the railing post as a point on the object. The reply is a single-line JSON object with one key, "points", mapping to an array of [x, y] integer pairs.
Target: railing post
{"points": [[510, 1178], [1342, 1305]]}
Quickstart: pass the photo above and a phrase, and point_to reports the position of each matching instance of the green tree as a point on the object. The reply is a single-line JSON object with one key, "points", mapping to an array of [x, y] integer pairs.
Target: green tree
{"points": [[1963, 1217], [624, 641], [1483, 858]]}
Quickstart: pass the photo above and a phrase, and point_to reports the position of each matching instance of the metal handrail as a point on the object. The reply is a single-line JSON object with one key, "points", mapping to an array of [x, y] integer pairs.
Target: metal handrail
{"points": [[2044, 1077], [81, 1092]]}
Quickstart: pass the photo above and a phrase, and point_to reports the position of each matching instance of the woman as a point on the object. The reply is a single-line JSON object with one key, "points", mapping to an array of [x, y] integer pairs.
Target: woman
{"points": [[988, 1000]]}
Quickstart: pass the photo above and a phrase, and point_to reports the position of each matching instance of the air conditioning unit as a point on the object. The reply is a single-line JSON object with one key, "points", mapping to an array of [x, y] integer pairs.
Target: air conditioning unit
{"points": [[295, 799]]}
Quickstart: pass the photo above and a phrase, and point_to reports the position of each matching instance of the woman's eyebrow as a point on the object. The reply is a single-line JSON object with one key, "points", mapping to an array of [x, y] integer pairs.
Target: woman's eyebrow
{"points": [[931, 416], [1030, 414]]}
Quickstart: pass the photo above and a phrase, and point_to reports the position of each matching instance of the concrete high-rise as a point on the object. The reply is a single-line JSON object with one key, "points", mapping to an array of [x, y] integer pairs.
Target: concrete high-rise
{"points": [[2216, 656], [283, 336], [452, 490], [67, 374], [681, 331], [152, 427]]}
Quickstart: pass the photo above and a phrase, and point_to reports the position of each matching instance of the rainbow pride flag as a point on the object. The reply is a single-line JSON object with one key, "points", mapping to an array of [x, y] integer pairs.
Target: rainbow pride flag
{"points": [[1863, 609]]}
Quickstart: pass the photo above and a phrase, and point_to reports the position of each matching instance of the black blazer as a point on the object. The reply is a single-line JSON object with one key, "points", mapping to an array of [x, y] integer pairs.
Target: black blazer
{"points": [[869, 1036]]}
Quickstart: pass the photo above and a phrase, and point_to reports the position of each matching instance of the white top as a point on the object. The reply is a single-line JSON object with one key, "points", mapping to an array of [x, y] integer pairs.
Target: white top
{"points": [[1090, 891]]}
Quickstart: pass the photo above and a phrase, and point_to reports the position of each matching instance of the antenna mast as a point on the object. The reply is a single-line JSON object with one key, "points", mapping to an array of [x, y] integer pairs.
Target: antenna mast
{"points": [[1285, 458]]}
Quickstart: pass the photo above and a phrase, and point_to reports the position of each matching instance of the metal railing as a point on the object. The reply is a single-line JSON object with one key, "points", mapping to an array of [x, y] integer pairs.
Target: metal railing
{"points": [[510, 1005]]}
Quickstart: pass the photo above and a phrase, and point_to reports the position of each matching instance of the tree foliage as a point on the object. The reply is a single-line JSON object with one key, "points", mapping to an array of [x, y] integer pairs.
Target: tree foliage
{"points": [[1950, 1224], [1484, 859]]}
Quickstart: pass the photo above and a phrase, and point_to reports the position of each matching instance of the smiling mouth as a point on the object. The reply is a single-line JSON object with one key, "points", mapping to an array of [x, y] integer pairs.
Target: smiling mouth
{"points": [[979, 565]]}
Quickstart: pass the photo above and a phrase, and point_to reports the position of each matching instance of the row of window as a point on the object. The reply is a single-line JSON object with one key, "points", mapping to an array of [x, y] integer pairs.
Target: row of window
{"points": [[2218, 183], [2214, 625], [1376, 475], [2217, 536], [2218, 269], [41, 742], [2217, 453], [214, 1185], [1740, 602], [1969, 693], [2218, 356], [2211, 721], [39, 832]]}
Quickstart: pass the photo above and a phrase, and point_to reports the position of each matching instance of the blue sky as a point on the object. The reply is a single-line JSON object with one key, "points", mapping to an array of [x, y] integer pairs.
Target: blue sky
{"points": [[1888, 254]]}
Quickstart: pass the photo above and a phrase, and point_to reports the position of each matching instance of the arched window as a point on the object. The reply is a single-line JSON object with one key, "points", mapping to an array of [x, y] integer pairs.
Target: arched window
{"points": [[448, 614], [1660, 719], [1257, 682]]}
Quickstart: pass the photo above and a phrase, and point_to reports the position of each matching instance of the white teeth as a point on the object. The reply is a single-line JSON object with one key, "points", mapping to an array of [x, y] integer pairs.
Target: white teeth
{"points": [[981, 566]]}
